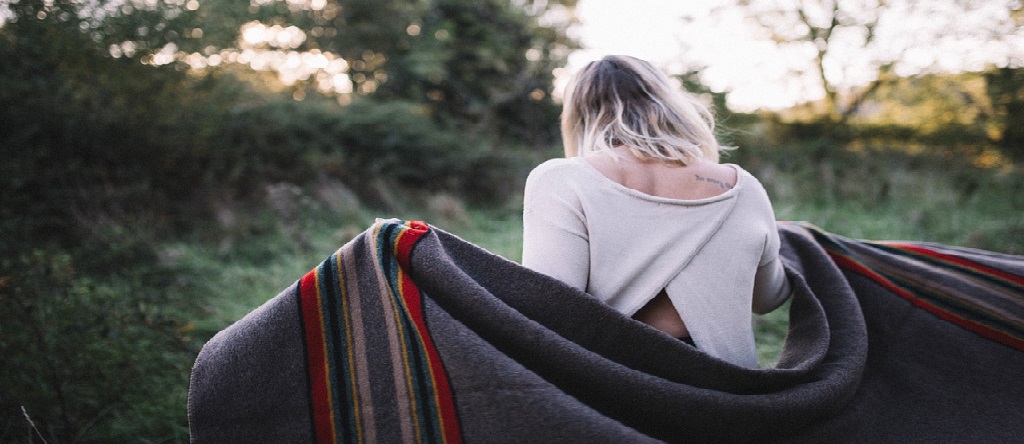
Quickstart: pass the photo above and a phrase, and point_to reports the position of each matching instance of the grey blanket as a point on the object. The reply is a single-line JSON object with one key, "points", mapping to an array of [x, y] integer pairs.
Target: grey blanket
{"points": [[410, 334]]}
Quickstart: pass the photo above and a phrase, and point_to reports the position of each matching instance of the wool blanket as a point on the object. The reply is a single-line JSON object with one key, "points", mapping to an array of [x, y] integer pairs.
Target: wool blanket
{"points": [[410, 334]]}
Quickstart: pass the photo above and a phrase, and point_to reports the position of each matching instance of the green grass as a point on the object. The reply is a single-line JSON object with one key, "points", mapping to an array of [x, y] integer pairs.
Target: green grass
{"points": [[497, 231], [256, 267], [885, 195], [987, 219], [770, 334], [241, 274]]}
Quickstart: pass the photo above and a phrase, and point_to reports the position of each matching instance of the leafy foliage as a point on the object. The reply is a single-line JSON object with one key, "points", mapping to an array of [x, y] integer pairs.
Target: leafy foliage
{"points": [[108, 155], [87, 363], [482, 64], [893, 38], [83, 132], [1005, 87], [297, 141]]}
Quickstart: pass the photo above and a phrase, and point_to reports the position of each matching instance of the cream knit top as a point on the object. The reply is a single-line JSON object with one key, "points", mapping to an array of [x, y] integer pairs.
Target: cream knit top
{"points": [[717, 258]]}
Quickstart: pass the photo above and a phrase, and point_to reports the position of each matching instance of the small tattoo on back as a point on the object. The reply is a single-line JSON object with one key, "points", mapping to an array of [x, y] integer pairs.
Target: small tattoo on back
{"points": [[721, 184]]}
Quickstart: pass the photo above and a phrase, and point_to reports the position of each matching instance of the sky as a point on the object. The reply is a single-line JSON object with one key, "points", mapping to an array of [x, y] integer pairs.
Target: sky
{"points": [[759, 75], [654, 30]]}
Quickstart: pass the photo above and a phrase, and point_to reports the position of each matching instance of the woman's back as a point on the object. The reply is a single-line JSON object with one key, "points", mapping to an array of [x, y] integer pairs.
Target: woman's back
{"points": [[698, 180], [625, 247]]}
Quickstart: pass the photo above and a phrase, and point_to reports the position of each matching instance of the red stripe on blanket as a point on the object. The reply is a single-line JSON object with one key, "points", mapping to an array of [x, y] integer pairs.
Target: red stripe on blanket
{"points": [[851, 264], [414, 302], [1019, 280], [316, 352]]}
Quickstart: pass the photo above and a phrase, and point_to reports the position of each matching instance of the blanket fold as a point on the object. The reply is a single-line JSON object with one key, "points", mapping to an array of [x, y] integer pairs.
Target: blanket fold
{"points": [[410, 334]]}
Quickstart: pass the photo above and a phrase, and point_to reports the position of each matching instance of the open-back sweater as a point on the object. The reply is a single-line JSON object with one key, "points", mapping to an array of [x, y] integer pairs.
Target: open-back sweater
{"points": [[716, 258]]}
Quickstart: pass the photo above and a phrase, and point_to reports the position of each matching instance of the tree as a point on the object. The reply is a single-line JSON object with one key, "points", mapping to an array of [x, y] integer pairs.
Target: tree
{"points": [[486, 64], [113, 139], [854, 47], [78, 124], [1005, 87]]}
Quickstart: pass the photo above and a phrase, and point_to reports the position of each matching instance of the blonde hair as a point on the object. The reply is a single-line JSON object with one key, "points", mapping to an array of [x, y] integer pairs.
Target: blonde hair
{"points": [[624, 101]]}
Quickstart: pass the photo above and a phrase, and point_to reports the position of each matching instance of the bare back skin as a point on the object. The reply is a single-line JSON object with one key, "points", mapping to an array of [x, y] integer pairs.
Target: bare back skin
{"points": [[698, 180]]}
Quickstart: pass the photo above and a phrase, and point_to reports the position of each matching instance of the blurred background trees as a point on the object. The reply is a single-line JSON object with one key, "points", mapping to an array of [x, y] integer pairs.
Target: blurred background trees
{"points": [[167, 99], [941, 74], [166, 165], [126, 126], [856, 47]]}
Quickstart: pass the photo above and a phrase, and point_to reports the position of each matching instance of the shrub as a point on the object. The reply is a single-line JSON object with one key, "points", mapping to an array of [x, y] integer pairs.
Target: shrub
{"points": [[89, 359], [298, 142]]}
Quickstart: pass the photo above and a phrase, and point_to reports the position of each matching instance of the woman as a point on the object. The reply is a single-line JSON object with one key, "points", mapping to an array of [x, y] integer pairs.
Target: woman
{"points": [[641, 215]]}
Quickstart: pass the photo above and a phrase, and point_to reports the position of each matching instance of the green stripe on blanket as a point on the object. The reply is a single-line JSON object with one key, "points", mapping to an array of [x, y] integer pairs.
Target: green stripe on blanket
{"points": [[346, 405]]}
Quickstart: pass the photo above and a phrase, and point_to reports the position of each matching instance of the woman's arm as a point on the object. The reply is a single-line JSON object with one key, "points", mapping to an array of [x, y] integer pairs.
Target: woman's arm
{"points": [[555, 238]]}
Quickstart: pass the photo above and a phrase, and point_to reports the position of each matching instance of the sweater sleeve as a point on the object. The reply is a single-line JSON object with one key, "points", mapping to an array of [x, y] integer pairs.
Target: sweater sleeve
{"points": [[771, 285], [555, 238]]}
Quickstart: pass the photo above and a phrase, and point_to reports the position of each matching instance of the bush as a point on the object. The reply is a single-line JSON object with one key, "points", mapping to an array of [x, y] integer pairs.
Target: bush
{"points": [[298, 142], [90, 359]]}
